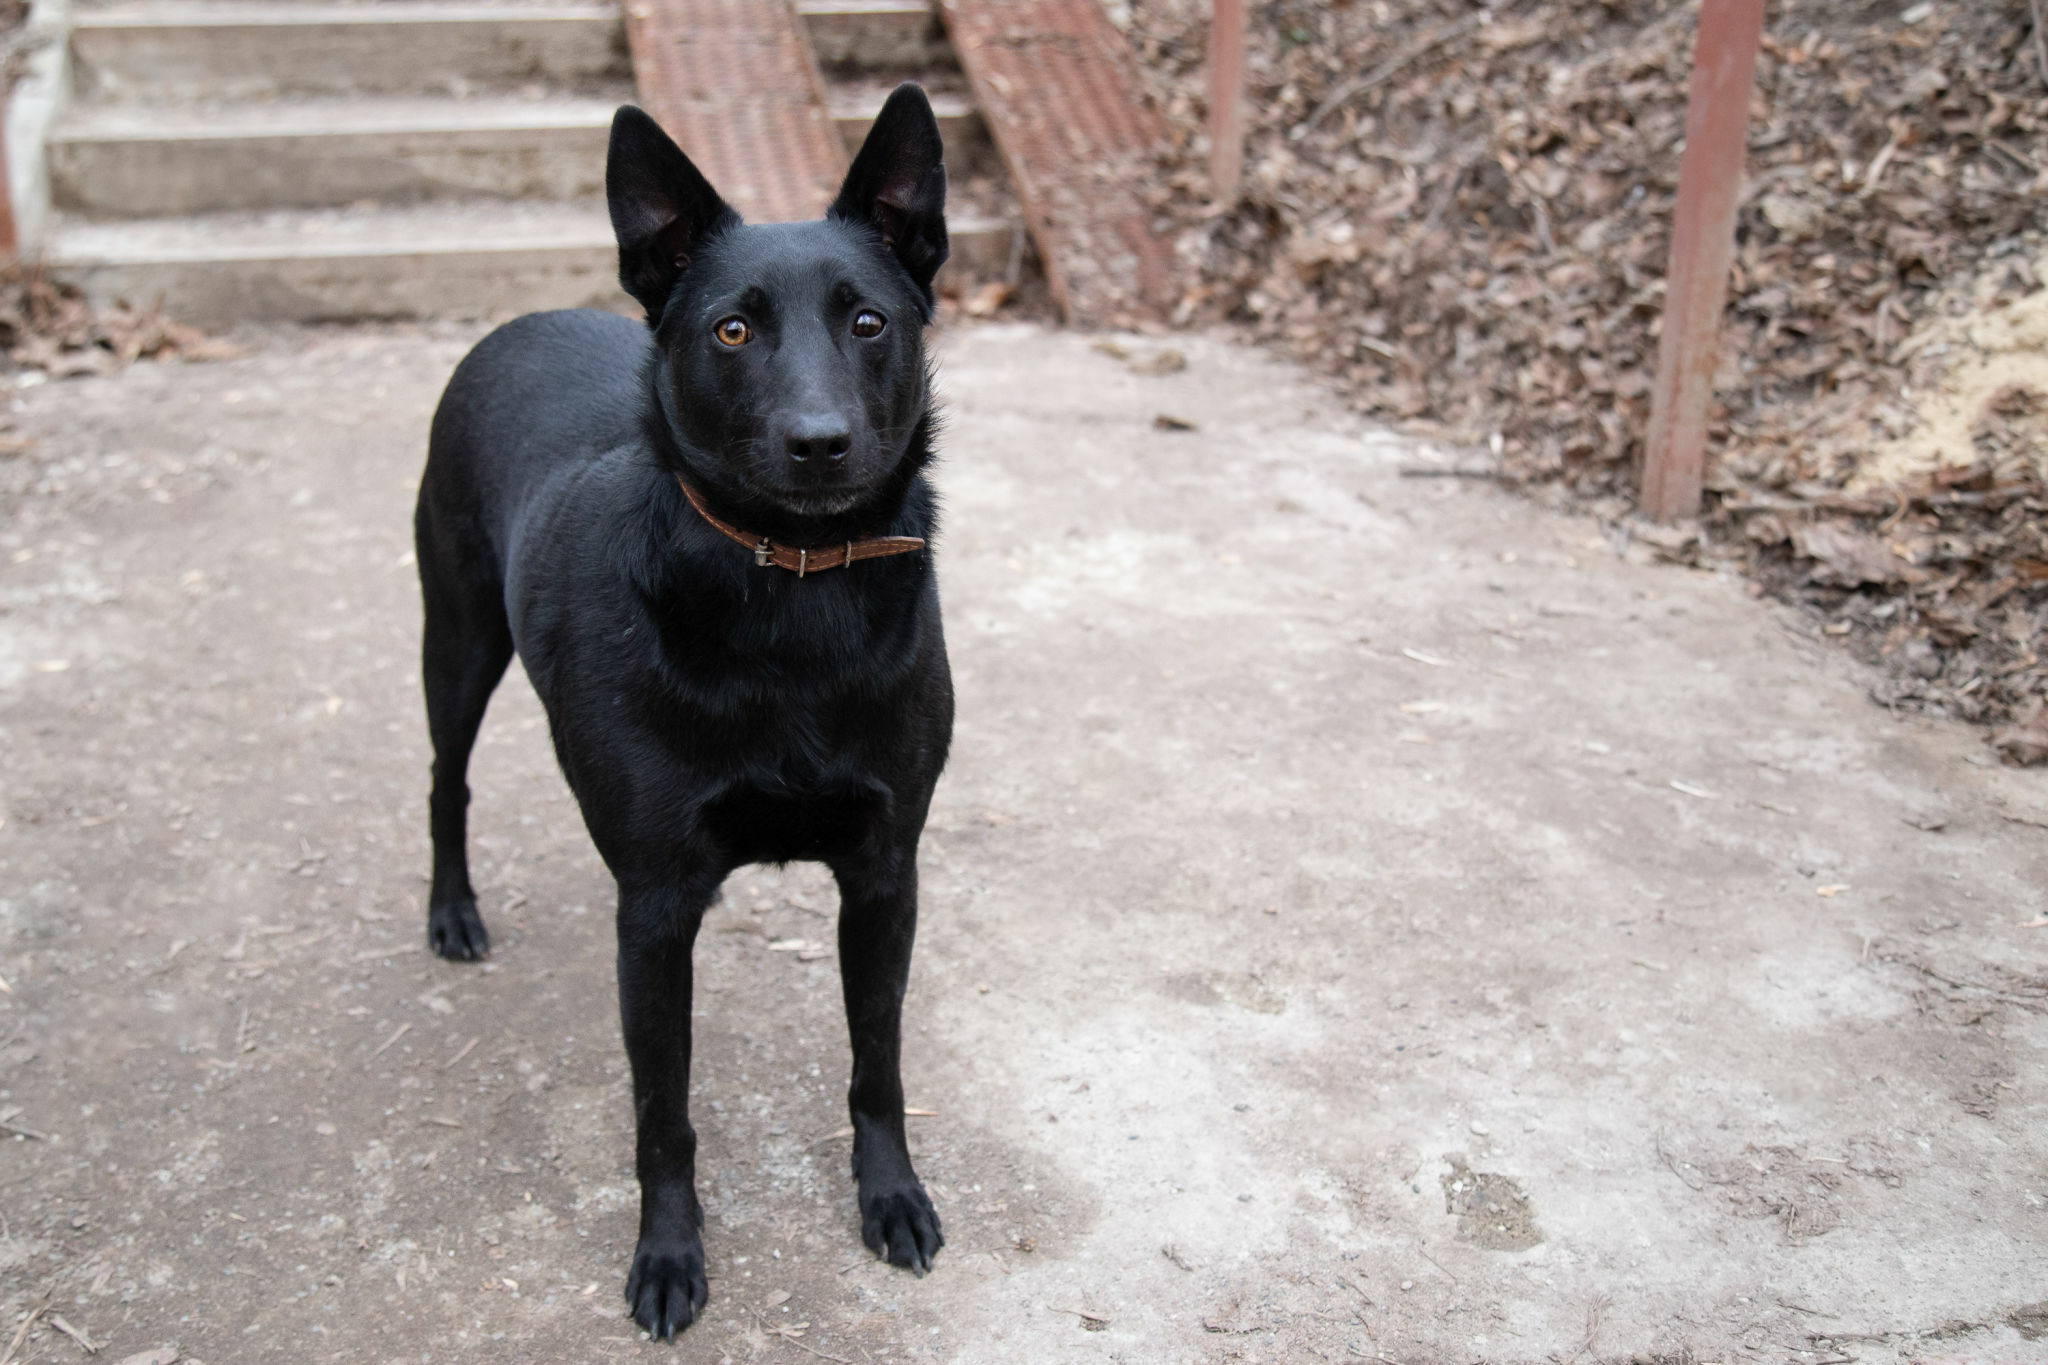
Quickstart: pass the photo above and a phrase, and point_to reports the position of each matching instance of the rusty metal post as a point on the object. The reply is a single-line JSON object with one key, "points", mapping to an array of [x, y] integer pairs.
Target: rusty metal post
{"points": [[1702, 246], [10, 235], [1226, 98]]}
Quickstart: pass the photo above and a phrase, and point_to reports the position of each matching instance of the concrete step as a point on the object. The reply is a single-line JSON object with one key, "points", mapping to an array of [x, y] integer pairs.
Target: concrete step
{"points": [[883, 36], [448, 260], [141, 161], [257, 49], [982, 248], [451, 260]]}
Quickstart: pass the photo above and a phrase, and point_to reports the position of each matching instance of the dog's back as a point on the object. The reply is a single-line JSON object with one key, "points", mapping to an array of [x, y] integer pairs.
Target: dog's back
{"points": [[536, 398]]}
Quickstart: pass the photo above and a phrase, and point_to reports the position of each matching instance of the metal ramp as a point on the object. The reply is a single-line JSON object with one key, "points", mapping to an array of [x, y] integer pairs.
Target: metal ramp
{"points": [[1060, 91], [1044, 93], [735, 84]]}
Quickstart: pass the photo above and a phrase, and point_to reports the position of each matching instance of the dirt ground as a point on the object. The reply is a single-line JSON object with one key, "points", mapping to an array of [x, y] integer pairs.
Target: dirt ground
{"points": [[1366, 917]]}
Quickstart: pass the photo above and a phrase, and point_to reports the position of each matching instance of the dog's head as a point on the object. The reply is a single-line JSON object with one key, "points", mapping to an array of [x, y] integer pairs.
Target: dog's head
{"points": [[793, 352]]}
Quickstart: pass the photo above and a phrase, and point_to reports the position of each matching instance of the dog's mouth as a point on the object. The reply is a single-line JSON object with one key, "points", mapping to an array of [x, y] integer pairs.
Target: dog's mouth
{"points": [[797, 503], [823, 502]]}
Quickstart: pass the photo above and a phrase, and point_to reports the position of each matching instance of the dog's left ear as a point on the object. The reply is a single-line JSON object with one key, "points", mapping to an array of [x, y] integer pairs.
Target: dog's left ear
{"points": [[898, 184]]}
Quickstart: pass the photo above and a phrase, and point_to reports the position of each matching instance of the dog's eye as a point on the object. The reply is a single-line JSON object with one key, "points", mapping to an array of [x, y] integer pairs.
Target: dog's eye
{"points": [[733, 332], [868, 323]]}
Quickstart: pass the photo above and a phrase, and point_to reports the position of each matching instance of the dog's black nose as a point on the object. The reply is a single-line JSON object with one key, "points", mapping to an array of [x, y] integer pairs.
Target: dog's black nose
{"points": [[824, 438]]}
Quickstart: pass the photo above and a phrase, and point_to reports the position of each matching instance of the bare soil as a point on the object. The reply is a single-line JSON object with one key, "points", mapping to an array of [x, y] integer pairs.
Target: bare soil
{"points": [[1366, 917]]}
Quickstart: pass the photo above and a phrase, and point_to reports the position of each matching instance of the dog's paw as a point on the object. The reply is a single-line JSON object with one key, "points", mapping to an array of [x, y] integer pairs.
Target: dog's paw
{"points": [[666, 1289], [900, 1225], [456, 931]]}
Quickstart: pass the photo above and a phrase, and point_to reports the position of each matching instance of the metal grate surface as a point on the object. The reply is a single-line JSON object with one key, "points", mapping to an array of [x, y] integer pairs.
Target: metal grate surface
{"points": [[1059, 89], [735, 84]]}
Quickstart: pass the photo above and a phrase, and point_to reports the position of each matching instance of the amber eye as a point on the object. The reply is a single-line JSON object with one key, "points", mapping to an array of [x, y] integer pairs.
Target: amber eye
{"points": [[868, 323], [734, 332]]}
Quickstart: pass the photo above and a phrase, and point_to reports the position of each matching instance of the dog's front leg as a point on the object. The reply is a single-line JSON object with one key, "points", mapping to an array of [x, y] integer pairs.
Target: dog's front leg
{"points": [[657, 929], [877, 923]]}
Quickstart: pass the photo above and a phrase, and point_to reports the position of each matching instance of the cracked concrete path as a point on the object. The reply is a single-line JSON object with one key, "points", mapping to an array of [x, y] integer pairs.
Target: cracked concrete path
{"points": [[1366, 917]]}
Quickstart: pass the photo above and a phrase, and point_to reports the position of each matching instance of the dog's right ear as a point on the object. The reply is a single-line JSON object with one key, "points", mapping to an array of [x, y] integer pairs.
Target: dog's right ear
{"points": [[662, 208]]}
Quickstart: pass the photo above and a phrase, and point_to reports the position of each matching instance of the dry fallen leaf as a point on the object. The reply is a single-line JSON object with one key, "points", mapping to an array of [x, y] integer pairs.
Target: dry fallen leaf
{"points": [[2025, 742], [1167, 361], [988, 299]]}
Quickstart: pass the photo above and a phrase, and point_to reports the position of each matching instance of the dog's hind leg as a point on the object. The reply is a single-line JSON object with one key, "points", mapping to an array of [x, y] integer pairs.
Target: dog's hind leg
{"points": [[464, 649], [877, 922]]}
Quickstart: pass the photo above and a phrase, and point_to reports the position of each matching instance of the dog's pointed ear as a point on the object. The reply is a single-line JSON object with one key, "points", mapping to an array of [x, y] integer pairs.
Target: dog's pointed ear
{"points": [[662, 208], [898, 184]]}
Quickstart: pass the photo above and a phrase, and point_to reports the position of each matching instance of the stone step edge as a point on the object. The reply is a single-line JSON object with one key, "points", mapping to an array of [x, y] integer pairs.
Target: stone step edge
{"points": [[381, 116], [282, 244], [172, 17]]}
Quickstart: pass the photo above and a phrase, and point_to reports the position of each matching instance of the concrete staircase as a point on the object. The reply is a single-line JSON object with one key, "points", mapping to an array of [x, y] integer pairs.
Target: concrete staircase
{"points": [[278, 161]]}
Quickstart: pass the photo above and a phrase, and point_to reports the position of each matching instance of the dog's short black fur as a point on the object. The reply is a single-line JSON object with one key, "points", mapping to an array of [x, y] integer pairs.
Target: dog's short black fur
{"points": [[710, 711]]}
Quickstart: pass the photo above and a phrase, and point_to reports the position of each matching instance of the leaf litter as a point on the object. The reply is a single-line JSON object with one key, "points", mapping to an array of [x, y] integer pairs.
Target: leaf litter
{"points": [[1461, 214]]}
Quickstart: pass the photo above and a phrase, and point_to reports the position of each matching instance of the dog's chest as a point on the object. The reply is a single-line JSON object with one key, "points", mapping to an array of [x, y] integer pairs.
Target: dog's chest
{"points": [[760, 823]]}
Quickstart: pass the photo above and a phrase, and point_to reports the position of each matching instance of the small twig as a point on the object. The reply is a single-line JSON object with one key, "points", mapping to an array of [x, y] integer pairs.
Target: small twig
{"points": [[447, 1065], [783, 1334], [86, 1343], [1080, 1313], [11, 1354], [1882, 160], [2040, 42], [1541, 212], [1344, 93], [1436, 471], [1596, 1311], [403, 1029], [1438, 1264]]}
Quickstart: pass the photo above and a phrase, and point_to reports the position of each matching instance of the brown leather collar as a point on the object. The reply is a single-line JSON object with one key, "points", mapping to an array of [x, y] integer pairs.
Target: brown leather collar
{"points": [[802, 561]]}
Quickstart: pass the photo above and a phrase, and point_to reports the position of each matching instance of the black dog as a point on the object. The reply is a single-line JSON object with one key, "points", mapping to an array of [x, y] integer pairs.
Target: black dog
{"points": [[714, 703]]}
